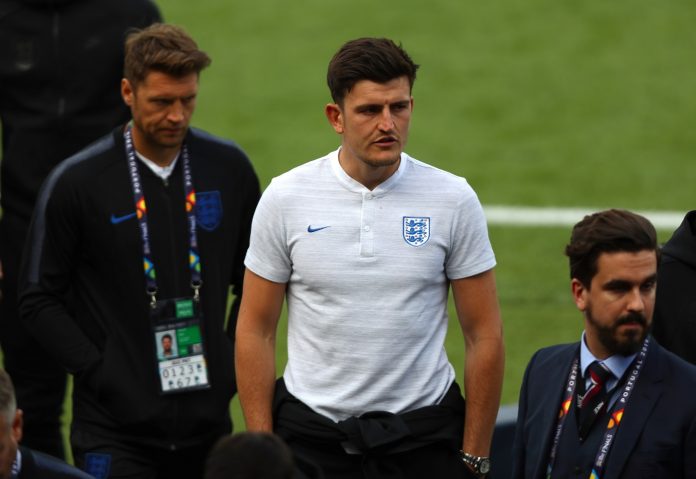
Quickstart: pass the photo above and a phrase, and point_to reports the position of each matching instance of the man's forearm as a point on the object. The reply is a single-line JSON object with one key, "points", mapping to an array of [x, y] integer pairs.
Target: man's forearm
{"points": [[482, 385], [255, 366]]}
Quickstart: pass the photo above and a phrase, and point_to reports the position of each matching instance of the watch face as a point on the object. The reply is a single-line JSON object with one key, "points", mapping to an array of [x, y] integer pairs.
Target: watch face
{"points": [[485, 466]]}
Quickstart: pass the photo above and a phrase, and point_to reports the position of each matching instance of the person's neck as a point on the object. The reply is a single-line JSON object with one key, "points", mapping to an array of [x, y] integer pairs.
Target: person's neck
{"points": [[368, 176], [596, 348], [158, 154]]}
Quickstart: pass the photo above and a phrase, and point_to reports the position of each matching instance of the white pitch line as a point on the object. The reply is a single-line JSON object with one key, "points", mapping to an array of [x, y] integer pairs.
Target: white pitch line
{"points": [[543, 216]]}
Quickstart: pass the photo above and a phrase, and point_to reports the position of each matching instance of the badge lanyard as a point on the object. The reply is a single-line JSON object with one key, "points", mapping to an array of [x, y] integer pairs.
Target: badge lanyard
{"points": [[616, 415], [181, 357], [141, 212]]}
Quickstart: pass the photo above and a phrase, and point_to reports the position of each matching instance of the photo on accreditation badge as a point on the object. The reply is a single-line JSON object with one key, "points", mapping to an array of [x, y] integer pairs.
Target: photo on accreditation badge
{"points": [[167, 347]]}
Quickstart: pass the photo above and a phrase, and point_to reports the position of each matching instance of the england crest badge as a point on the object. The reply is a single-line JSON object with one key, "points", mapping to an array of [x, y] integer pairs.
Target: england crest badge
{"points": [[208, 210], [416, 230]]}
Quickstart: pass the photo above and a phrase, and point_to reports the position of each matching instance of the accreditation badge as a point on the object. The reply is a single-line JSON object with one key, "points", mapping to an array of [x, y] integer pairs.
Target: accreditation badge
{"points": [[179, 347]]}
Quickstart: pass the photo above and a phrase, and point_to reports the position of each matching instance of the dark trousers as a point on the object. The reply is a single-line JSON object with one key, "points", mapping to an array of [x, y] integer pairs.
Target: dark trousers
{"points": [[39, 382], [423, 443], [104, 457], [435, 461]]}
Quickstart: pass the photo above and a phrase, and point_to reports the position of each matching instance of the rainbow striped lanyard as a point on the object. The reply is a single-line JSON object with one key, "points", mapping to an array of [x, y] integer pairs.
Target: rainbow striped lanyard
{"points": [[617, 412], [141, 212]]}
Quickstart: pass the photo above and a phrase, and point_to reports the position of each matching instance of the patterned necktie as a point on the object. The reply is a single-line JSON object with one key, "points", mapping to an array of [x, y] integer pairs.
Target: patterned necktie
{"points": [[593, 403]]}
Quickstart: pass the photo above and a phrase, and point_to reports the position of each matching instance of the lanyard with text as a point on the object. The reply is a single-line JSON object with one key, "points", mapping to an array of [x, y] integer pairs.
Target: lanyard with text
{"points": [[177, 323], [615, 417], [141, 211]]}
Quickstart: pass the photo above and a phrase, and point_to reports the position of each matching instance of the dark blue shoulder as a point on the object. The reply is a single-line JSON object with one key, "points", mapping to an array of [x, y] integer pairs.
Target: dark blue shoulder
{"points": [[554, 356], [196, 134], [100, 146], [219, 154], [558, 351], [37, 465], [675, 365]]}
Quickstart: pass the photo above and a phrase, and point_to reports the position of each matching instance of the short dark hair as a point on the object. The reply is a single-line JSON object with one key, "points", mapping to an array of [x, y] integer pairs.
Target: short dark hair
{"points": [[249, 455], [164, 48], [8, 401], [376, 59], [607, 231]]}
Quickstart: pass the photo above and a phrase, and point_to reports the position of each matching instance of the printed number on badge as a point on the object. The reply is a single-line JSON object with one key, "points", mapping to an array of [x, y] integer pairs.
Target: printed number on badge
{"points": [[183, 373]]}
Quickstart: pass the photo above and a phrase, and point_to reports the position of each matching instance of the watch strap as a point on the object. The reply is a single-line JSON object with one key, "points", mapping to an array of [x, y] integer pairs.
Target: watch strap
{"points": [[479, 464]]}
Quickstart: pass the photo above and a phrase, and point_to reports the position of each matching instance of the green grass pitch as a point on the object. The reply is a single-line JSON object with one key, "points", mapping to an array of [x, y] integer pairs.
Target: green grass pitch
{"points": [[535, 102]]}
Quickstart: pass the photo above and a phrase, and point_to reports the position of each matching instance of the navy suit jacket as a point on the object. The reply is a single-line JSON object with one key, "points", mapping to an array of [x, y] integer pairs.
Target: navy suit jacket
{"points": [[36, 465], [657, 434]]}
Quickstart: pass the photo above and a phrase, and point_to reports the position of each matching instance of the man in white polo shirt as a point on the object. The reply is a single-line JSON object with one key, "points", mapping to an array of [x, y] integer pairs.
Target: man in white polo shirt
{"points": [[366, 242]]}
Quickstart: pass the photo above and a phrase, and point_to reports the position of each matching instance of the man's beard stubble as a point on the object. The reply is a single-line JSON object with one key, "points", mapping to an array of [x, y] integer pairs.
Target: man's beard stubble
{"points": [[624, 345]]}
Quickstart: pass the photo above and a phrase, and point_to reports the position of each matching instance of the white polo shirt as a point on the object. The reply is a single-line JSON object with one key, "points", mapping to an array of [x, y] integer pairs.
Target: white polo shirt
{"points": [[368, 275]]}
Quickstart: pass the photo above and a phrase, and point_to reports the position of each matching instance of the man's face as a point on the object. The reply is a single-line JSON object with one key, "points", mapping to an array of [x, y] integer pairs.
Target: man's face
{"points": [[161, 106], [374, 121], [166, 344], [10, 435], [618, 306]]}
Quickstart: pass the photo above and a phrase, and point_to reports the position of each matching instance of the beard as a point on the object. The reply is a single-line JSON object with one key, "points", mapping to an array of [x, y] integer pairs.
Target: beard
{"points": [[623, 344], [382, 162]]}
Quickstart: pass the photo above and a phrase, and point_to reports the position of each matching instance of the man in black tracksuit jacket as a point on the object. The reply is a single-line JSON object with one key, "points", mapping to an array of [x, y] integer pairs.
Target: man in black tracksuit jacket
{"points": [[674, 325], [60, 65], [102, 335], [84, 290]]}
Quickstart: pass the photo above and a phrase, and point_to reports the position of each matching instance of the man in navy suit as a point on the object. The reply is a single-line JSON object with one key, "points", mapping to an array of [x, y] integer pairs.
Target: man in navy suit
{"points": [[616, 404], [17, 462]]}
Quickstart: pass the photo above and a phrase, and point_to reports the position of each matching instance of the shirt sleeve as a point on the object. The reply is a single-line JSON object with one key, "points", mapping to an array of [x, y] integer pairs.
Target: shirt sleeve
{"points": [[268, 255], [471, 252]]}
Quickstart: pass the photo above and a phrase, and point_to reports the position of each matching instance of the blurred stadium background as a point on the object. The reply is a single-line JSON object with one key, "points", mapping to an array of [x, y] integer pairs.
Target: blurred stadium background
{"points": [[538, 103]]}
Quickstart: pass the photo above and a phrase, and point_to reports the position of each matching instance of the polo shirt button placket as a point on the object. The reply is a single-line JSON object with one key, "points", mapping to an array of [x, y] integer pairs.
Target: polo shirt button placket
{"points": [[366, 237]]}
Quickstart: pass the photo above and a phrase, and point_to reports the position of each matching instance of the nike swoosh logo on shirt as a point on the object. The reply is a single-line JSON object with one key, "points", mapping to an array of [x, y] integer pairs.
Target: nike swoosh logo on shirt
{"points": [[120, 219], [314, 230]]}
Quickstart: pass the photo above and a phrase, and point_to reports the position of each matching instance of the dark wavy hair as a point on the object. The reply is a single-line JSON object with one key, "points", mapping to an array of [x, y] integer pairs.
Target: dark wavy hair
{"points": [[607, 232], [376, 59], [163, 48]]}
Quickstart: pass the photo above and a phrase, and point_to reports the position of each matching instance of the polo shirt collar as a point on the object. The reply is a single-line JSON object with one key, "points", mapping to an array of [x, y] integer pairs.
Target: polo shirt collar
{"points": [[357, 187]]}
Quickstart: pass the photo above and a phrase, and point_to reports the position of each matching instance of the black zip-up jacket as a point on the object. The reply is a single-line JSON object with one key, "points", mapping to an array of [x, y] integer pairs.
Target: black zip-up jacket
{"points": [[83, 293], [674, 322]]}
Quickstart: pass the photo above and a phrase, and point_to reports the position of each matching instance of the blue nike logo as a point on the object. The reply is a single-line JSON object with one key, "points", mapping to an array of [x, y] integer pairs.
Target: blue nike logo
{"points": [[314, 230], [120, 219]]}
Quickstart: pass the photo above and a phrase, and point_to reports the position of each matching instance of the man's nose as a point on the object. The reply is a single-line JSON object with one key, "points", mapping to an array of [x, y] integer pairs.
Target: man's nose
{"points": [[176, 112], [636, 300], [386, 121]]}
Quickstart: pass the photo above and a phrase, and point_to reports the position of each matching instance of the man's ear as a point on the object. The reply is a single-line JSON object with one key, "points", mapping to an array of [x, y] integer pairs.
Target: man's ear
{"points": [[579, 294], [127, 92], [17, 424], [334, 114]]}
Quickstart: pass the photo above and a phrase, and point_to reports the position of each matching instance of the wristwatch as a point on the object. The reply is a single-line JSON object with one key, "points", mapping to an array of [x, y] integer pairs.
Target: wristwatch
{"points": [[480, 465]]}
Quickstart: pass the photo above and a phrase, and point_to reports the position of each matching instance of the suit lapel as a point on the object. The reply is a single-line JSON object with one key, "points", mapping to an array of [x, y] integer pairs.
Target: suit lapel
{"points": [[558, 369], [647, 391]]}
